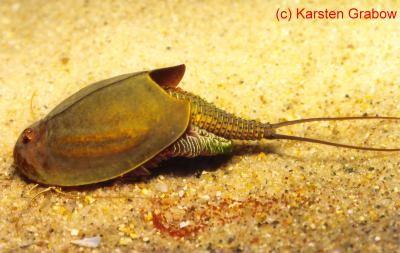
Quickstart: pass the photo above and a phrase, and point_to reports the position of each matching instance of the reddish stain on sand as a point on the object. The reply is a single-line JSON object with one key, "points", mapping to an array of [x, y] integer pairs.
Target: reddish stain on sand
{"points": [[218, 212], [160, 223]]}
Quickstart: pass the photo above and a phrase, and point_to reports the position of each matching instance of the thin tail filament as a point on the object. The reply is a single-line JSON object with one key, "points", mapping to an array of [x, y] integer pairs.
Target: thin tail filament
{"points": [[271, 134]]}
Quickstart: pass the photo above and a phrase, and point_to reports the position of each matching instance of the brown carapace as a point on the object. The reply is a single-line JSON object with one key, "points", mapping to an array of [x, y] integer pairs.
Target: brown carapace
{"points": [[132, 122]]}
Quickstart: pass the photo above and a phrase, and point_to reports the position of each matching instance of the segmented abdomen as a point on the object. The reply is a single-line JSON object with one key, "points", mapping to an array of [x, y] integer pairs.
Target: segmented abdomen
{"points": [[207, 116]]}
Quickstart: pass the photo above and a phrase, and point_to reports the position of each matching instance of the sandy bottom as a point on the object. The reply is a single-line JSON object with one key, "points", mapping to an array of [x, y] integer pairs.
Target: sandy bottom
{"points": [[284, 196]]}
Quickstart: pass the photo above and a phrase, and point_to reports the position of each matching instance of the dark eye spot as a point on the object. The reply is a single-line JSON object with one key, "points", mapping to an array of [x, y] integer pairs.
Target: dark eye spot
{"points": [[27, 135]]}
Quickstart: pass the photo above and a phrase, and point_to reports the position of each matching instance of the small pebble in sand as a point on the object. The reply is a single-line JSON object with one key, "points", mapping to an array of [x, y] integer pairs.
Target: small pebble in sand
{"points": [[125, 241], [184, 224], [74, 232], [146, 192], [148, 216], [162, 187], [89, 200], [205, 197], [89, 242]]}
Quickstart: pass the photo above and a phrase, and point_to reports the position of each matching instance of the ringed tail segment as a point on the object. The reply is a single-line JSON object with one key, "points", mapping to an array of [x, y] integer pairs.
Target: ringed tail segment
{"points": [[205, 115], [273, 135]]}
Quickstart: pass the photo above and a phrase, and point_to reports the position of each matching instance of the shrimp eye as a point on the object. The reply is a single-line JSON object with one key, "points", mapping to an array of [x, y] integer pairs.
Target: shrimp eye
{"points": [[27, 135]]}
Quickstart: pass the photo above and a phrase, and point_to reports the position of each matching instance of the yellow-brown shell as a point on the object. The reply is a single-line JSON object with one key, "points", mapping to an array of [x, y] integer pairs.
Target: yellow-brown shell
{"points": [[105, 130]]}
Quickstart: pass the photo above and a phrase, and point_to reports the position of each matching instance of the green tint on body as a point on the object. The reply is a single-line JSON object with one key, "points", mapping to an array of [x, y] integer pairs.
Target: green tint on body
{"points": [[104, 131]]}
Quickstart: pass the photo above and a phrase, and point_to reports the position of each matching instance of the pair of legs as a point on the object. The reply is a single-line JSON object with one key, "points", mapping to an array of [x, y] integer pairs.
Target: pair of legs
{"points": [[195, 142]]}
